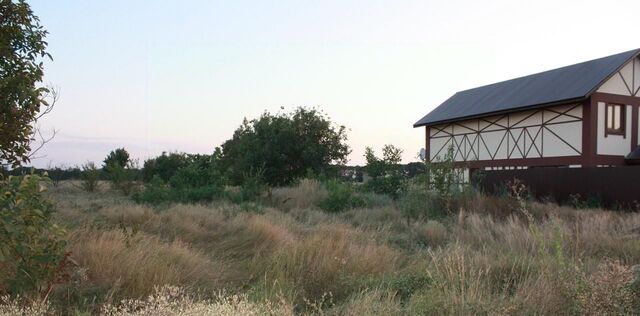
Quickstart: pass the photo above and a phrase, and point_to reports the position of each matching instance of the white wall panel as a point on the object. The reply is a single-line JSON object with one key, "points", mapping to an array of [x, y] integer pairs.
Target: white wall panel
{"points": [[624, 82], [492, 139]]}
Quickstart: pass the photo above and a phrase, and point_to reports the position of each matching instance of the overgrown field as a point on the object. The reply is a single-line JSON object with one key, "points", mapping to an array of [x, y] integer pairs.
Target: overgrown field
{"points": [[284, 255]]}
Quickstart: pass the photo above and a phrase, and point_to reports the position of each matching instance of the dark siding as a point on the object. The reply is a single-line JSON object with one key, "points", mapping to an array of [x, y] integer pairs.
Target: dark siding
{"points": [[613, 185]]}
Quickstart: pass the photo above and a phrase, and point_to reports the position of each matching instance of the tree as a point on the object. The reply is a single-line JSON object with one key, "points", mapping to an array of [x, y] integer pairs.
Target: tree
{"points": [[90, 177], [284, 146], [387, 175], [121, 170], [163, 166], [118, 157], [22, 49]]}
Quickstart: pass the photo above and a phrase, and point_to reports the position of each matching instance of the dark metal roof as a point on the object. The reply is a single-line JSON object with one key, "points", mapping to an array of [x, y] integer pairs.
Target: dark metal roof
{"points": [[569, 83]]}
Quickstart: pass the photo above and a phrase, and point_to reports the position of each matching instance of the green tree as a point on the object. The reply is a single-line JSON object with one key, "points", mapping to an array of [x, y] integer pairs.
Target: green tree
{"points": [[387, 175], [284, 146], [22, 50], [117, 157], [164, 166], [90, 176]]}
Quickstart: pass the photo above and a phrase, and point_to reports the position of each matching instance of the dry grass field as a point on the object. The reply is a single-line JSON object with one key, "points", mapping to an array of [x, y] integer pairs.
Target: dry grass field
{"points": [[286, 257]]}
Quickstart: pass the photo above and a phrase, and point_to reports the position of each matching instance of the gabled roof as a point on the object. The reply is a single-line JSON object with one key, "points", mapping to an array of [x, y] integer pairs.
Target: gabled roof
{"points": [[570, 83]]}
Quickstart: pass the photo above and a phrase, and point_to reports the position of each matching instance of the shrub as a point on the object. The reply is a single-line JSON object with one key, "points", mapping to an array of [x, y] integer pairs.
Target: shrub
{"points": [[30, 243], [122, 178], [89, 176], [252, 185], [406, 284], [155, 192], [198, 181], [387, 176], [341, 197], [419, 203]]}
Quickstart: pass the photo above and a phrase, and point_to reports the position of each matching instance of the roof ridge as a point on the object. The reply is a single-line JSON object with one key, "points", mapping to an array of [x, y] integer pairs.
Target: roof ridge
{"points": [[637, 50]]}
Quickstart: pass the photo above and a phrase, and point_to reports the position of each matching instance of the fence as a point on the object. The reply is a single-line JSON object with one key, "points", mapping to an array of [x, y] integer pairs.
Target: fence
{"points": [[610, 185]]}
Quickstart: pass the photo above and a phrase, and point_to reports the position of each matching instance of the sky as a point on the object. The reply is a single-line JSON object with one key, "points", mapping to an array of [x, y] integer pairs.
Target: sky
{"points": [[155, 76]]}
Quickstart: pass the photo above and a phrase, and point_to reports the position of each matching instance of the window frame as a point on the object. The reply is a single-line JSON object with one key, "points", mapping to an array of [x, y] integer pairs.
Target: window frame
{"points": [[623, 120]]}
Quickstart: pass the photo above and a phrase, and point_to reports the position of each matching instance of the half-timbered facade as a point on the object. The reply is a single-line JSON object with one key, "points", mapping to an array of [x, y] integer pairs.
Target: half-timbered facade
{"points": [[581, 115]]}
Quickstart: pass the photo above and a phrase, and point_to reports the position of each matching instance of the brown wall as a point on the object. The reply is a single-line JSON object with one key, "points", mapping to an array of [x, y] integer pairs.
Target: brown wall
{"points": [[614, 185]]}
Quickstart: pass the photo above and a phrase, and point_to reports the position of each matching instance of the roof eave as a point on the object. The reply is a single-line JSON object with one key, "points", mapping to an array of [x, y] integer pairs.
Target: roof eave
{"points": [[519, 109]]}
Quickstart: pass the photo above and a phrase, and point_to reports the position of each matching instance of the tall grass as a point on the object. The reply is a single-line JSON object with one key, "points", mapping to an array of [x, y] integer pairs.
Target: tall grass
{"points": [[363, 261], [131, 265]]}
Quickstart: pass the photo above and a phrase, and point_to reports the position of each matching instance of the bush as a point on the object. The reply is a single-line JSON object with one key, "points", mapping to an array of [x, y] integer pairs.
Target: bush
{"points": [[89, 176], [195, 183], [122, 178], [198, 181], [155, 192], [341, 197], [31, 245], [387, 176], [419, 203], [405, 285], [252, 186]]}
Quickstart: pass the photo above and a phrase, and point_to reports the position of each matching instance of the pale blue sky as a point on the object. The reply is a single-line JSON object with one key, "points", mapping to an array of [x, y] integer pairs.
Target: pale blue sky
{"points": [[181, 75]]}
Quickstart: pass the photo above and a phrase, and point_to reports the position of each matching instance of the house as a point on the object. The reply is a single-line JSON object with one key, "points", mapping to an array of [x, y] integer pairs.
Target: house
{"points": [[578, 116]]}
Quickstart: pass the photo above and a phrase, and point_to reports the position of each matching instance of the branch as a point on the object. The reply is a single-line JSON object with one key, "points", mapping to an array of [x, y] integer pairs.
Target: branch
{"points": [[52, 95], [41, 143]]}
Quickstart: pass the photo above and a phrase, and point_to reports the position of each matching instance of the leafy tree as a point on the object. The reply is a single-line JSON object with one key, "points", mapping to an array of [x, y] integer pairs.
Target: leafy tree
{"points": [[387, 175], [22, 49], [164, 166], [90, 176], [118, 157], [284, 146]]}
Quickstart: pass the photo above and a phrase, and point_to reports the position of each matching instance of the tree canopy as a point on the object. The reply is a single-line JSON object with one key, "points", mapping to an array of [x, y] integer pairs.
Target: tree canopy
{"points": [[117, 158], [285, 146], [22, 50]]}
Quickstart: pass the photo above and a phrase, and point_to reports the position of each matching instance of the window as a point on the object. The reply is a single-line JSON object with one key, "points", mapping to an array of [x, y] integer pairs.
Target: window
{"points": [[614, 118]]}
